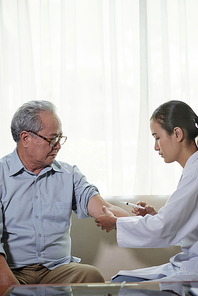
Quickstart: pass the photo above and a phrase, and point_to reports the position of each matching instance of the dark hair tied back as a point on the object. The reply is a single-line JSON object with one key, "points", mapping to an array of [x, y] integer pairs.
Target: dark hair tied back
{"points": [[177, 114], [196, 122]]}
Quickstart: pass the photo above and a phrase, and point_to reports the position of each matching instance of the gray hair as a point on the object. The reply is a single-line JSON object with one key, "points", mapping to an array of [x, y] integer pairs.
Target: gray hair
{"points": [[27, 117]]}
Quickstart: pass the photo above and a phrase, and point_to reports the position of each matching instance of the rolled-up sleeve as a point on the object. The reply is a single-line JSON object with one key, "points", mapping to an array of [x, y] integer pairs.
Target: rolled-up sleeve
{"points": [[83, 191]]}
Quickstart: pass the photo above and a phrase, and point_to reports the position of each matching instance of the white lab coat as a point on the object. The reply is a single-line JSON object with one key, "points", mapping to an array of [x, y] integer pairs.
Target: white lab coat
{"points": [[176, 222]]}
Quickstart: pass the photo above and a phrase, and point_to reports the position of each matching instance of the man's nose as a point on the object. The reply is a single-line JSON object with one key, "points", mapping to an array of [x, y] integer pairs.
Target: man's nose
{"points": [[57, 145]]}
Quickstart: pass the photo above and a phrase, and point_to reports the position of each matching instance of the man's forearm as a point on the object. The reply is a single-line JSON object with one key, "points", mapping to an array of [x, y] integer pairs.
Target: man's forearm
{"points": [[117, 211], [6, 275], [96, 203]]}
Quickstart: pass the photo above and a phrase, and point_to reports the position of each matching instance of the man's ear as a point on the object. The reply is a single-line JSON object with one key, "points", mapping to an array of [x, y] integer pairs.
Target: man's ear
{"points": [[25, 137], [179, 134]]}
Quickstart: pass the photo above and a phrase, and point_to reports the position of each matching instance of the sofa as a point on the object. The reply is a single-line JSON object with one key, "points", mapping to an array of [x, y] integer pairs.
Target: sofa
{"points": [[99, 248]]}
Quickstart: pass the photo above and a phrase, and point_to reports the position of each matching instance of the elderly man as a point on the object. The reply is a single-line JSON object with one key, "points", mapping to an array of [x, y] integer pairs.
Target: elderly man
{"points": [[37, 196]]}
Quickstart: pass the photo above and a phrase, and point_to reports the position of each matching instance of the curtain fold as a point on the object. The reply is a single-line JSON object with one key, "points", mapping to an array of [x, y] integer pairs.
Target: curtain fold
{"points": [[106, 64], [143, 157]]}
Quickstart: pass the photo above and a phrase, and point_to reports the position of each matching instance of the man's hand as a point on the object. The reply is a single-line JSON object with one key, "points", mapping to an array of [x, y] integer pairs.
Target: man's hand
{"points": [[106, 221]]}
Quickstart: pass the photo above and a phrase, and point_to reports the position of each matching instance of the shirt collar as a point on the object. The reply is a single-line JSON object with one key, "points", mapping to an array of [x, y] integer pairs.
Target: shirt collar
{"points": [[16, 165], [191, 160], [56, 166]]}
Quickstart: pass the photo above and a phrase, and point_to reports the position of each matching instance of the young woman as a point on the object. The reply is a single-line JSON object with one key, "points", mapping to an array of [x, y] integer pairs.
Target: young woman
{"points": [[174, 126]]}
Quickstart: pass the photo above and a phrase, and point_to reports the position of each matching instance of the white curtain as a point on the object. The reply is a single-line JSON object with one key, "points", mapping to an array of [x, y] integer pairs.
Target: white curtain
{"points": [[106, 64]]}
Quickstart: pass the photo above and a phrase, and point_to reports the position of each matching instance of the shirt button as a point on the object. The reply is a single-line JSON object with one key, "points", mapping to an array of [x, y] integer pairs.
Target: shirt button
{"points": [[36, 197], [184, 268], [37, 216], [39, 235]]}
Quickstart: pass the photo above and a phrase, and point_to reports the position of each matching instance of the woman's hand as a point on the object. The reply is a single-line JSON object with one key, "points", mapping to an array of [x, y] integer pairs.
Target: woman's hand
{"points": [[107, 221], [143, 212]]}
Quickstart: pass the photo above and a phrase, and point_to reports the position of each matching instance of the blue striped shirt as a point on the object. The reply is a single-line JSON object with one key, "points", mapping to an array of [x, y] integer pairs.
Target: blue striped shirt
{"points": [[35, 215]]}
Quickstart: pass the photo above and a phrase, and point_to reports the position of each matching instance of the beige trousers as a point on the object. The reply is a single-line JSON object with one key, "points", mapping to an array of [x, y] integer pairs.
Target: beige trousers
{"points": [[64, 274]]}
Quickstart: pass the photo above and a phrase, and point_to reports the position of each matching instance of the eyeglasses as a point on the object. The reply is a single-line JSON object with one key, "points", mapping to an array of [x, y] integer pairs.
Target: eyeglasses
{"points": [[54, 141]]}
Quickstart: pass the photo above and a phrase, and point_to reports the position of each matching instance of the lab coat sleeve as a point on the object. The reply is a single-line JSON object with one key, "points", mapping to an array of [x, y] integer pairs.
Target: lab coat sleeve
{"points": [[173, 222]]}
